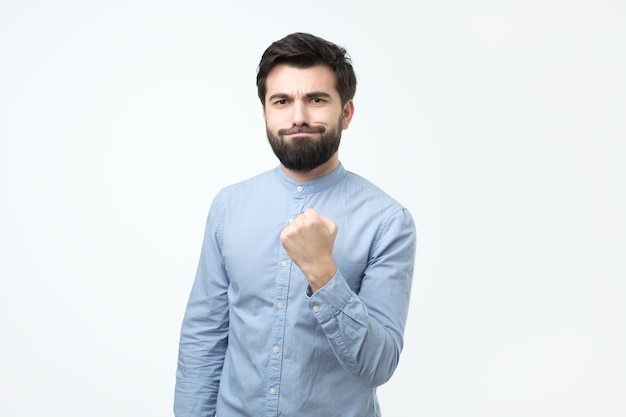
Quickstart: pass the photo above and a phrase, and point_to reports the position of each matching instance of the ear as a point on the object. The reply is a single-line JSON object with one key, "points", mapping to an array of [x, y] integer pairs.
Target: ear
{"points": [[346, 116], [264, 115]]}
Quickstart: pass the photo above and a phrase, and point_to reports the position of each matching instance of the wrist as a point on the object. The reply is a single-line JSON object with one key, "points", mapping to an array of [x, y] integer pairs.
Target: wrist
{"points": [[320, 276]]}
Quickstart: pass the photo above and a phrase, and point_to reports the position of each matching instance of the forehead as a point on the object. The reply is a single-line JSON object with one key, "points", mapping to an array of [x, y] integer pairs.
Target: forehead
{"points": [[297, 81]]}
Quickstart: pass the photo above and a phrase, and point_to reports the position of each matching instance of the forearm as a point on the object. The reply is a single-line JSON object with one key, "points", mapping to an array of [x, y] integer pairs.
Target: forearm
{"points": [[200, 361], [366, 328], [366, 346]]}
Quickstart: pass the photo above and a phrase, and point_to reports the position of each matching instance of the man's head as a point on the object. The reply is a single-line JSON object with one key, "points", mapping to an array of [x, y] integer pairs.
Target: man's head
{"points": [[306, 85]]}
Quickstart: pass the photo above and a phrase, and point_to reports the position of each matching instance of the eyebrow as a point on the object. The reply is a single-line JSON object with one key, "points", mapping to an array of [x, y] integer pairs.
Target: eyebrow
{"points": [[312, 94]]}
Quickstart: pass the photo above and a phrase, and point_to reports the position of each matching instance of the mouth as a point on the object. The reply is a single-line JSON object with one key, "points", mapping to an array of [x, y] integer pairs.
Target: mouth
{"points": [[302, 130]]}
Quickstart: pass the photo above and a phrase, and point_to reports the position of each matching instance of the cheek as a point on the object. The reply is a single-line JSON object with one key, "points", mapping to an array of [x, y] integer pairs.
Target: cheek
{"points": [[274, 118], [328, 117]]}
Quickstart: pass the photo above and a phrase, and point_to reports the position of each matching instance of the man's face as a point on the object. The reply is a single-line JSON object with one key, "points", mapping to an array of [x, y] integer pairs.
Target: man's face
{"points": [[303, 116]]}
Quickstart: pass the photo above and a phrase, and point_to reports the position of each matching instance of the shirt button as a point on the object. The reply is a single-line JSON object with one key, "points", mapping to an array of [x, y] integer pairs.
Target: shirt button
{"points": [[275, 349], [280, 304], [272, 390], [283, 263], [316, 309], [299, 188]]}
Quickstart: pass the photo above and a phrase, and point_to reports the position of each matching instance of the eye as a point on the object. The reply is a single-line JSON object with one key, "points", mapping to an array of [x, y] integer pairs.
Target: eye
{"points": [[317, 100], [281, 101]]}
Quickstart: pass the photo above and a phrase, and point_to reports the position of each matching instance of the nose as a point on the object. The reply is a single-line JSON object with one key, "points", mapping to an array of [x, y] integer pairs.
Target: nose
{"points": [[300, 114]]}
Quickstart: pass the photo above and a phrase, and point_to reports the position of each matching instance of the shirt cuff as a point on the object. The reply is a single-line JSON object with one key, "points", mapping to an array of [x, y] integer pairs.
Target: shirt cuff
{"points": [[330, 298]]}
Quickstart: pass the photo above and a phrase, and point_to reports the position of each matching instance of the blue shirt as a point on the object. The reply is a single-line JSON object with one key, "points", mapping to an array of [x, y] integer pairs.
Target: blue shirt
{"points": [[256, 342]]}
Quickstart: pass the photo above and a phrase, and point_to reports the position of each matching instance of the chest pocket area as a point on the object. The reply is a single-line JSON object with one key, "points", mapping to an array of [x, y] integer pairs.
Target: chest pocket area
{"points": [[352, 272]]}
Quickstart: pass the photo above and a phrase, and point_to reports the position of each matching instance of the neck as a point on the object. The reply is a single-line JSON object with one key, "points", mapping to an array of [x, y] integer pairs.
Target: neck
{"points": [[322, 170]]}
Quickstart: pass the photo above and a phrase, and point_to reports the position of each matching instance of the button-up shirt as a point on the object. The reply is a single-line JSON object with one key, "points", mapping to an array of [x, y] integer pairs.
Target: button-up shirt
{"points": [[256, 341]]}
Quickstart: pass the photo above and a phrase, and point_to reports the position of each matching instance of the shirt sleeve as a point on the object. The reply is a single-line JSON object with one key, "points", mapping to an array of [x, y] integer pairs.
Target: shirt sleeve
{"points": [[366, 330], [204, 332]]}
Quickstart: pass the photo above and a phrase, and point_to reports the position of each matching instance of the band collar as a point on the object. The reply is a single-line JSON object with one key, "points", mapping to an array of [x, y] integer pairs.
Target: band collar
{"points": [[313, 186]]}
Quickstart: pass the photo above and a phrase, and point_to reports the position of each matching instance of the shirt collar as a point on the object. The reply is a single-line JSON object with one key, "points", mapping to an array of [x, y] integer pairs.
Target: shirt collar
{"points": [[313, 186]]}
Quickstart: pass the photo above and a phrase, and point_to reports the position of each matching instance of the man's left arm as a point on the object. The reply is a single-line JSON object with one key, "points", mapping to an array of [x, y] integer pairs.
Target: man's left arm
{"points": [[365, 330]]}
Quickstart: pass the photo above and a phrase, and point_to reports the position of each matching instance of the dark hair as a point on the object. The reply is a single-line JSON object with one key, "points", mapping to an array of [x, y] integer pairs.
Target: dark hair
{"points": [[303, 50]]}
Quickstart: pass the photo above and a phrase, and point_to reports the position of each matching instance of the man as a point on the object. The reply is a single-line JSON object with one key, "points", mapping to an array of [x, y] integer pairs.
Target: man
{"points": [[301, 295]]}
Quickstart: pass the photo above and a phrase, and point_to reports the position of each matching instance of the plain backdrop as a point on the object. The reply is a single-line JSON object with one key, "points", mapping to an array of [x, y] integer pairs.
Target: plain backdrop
{"points": [[501, 125]]}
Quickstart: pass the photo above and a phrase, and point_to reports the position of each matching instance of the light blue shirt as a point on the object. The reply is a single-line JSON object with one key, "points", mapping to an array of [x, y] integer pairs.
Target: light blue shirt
{"points": [[256, 342]]}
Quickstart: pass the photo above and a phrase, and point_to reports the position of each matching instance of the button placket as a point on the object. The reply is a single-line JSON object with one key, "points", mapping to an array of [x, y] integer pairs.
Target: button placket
{"points": [[282, 282]]}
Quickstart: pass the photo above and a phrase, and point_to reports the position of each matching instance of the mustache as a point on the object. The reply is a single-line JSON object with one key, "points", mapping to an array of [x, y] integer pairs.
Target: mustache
{"points": [[302, 129]]}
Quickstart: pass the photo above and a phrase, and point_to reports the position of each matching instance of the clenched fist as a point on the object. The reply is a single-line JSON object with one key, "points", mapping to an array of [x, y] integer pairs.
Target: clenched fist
{"points": [[308, 240]]}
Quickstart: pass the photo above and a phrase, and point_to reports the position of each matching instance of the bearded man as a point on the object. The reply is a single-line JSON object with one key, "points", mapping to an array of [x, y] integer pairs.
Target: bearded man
{"points": [[301, 295]]}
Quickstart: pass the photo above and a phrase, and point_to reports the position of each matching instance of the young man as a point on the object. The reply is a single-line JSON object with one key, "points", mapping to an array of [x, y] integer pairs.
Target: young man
{"points": [[300, 300]]}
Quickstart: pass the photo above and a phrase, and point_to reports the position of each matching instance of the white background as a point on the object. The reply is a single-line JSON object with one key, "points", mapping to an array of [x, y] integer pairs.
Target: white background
{"points": [[500, 125]]}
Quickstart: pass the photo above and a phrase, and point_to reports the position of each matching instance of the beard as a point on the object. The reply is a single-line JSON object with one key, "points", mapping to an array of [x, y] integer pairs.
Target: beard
{"points": [[305, 153]]}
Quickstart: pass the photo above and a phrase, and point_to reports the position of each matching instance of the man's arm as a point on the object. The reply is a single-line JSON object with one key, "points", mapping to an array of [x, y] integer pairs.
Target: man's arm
{"points": [[204, 333], [365, 330]]}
